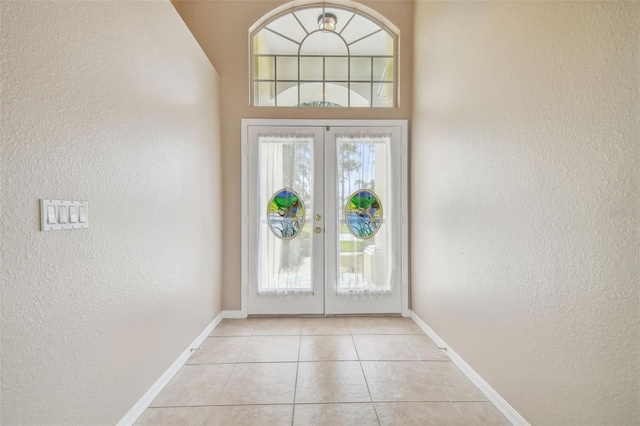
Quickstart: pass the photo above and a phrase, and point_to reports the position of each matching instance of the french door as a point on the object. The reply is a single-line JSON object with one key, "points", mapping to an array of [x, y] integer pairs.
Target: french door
{"points": [[324, 204]]}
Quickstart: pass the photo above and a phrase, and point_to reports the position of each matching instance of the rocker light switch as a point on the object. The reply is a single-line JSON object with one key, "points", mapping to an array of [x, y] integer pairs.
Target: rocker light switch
{"points": [[73, 214], [56, 215], [51, 214], [83, 214], [62, 214]]}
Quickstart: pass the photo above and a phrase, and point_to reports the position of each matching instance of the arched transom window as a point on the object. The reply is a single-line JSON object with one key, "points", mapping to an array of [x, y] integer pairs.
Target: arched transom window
{"points": [[322, 56]]}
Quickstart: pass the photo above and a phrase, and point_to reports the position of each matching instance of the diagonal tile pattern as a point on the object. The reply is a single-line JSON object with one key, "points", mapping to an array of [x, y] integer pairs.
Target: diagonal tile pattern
{"points": [[320, 371]]}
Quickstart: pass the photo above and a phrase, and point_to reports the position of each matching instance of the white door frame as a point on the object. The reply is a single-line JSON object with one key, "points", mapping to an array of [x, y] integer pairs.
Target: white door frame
{"points": [[404, 246]]}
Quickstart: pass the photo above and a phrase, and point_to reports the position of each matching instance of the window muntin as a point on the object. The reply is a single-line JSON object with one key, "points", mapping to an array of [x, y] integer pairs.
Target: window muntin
{"points": [[294, 63]]}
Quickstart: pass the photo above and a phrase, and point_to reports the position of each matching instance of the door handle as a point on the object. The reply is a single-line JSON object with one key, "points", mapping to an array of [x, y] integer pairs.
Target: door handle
{"points": [[318, 230]]}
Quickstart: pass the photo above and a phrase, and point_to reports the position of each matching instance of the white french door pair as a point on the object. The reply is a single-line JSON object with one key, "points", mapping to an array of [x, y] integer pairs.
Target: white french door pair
{"points": [[324, 206]]}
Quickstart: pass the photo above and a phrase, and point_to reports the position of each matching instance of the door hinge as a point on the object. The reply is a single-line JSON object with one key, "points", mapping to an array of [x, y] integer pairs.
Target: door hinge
{"points": [[328, 128]]}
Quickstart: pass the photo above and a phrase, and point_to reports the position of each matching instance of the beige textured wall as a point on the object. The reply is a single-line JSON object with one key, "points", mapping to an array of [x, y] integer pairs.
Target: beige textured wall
{"points": [[114, 103], [226, 43], [525, 206]]}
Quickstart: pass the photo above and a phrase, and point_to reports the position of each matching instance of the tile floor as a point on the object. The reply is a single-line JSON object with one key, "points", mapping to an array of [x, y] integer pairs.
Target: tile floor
{"points": [[320, 371]]}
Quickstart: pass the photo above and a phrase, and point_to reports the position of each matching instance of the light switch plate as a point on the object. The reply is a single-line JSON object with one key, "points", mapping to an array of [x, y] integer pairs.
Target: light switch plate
{"points": [[56, 204]]}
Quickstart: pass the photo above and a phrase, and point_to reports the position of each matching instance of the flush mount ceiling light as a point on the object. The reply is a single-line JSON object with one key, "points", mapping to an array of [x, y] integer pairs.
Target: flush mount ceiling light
{"points": [[327, 22]]}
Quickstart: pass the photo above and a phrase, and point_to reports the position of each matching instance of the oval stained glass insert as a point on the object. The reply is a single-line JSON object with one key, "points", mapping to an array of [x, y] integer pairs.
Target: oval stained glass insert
{"points": [[364, 213], [285, 214]]}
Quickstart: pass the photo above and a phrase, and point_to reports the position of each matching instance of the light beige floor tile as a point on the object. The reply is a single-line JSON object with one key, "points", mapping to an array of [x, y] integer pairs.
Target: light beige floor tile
{"points": [[384, 347], [235, 327], [251, 415], [271, 349], [455, 384], [418, 414], [335, 415], [325, 326], [187, 416], [194, 385], [425, 348], [264, 383], [401, 381], [278, 327], [327, 348], [382, 325], [338, 381], [481, 413], [218, 350]]}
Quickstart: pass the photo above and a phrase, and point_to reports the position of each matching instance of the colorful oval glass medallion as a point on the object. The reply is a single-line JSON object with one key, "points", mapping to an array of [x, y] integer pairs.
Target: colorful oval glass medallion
{"points": [[364, 213], [285, 214]]}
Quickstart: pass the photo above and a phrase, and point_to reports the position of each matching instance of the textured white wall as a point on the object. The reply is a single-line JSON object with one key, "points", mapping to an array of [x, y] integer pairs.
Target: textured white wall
{"points": [[525, 208], [114, 103]]}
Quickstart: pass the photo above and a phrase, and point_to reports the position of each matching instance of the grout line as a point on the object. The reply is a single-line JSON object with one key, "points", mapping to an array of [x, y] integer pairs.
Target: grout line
{"points": [[295, 384], [390, 401], [228, 377], [416, 352], [255, 324], [181, 406], [366, 382], [404, 337], [296, 404], [317, 360], [436, 380], [224, 385], [246, 342], [459, 412]]}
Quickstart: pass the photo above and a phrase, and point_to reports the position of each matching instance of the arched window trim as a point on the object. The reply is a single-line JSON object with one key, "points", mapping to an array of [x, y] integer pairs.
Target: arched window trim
{"points": [[382, 26]]}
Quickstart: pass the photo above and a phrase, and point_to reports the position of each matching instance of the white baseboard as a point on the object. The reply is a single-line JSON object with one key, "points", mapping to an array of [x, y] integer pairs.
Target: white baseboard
{"points": [[234, 314], [501, 404], [137, 410]]}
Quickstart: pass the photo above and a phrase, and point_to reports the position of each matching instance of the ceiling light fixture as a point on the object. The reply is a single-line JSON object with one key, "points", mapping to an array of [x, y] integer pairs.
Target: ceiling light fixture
{"points": [[327, 22]]}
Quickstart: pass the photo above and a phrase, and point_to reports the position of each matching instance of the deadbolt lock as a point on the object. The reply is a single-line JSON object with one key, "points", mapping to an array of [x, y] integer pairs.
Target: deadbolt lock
{"points": [[318, 217]]}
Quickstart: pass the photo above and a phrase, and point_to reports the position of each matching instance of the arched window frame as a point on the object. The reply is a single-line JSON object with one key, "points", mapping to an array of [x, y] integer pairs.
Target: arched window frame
{"points": [[326, 8]]}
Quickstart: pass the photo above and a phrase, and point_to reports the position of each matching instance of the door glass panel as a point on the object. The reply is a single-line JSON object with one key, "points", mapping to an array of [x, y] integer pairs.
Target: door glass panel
{"points": [[364, 234], [285, 214], [286, 191], [363, 213]]}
